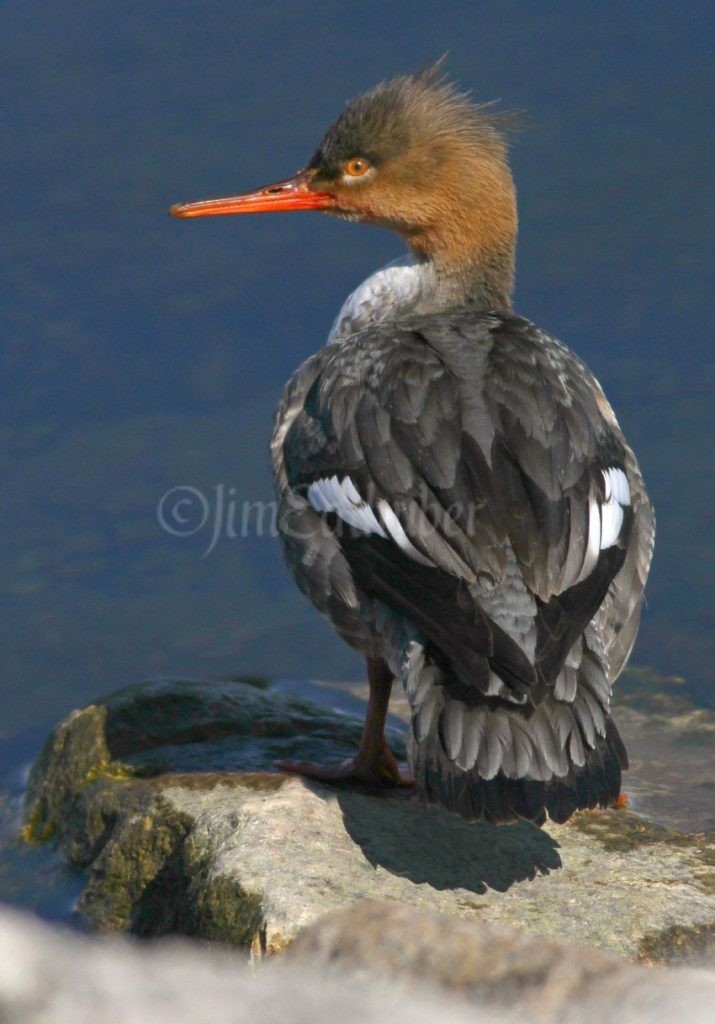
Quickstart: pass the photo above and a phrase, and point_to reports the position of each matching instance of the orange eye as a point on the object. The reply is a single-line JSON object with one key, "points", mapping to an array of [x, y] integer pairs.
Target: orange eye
{"points": [[356, 167]]}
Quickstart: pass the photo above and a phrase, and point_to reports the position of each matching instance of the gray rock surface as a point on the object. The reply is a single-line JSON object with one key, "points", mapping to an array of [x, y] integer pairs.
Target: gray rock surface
{"points": [[536, 979], [48, 976], [163, 793], [366, 965]]}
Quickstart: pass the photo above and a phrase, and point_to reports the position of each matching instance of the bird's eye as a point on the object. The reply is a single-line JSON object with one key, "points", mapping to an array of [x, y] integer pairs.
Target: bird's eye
{"points": [[356, 167]]}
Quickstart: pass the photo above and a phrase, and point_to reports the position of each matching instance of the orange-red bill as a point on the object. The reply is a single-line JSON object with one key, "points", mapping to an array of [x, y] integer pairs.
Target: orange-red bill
{"points": [[291, 194]]}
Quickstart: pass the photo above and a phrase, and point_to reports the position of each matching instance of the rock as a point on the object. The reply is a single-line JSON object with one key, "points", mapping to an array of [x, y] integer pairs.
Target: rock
{"points": [[48, 976], [497, 967], [163, 793], [371, 963]]}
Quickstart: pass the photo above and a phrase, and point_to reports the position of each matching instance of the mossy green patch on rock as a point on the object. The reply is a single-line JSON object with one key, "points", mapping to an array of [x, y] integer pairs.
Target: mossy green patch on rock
{"points": [[136, 880], [621, 831], [110, 770], [679, 944], [267, 782], [74, 757], [37, 829], [152, 878], [220, 909]]}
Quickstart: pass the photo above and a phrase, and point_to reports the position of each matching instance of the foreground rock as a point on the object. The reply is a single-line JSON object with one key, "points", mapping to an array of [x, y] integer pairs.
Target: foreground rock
{"points": [[48, 976], [497, 967], [366, 965], [163, 792]]}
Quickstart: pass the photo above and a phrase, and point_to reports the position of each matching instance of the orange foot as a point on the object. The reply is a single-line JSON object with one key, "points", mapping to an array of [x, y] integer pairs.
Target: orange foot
{"points": [[620, 802], [382, 773]]}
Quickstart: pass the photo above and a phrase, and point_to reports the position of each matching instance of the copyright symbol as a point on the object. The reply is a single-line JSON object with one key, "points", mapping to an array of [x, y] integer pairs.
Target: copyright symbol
{"points": [[182, 511]]}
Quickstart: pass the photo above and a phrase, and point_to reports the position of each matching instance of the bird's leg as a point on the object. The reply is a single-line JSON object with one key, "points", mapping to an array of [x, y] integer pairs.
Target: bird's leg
{"points": [[374, 764]]}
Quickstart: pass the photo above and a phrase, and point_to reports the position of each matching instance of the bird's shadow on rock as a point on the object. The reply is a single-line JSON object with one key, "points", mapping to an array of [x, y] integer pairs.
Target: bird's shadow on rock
{"points": [[428, 844]]}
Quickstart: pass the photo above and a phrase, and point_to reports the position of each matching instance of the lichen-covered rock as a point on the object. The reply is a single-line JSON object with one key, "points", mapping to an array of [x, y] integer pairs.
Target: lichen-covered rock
{"points": [[164, 793]]}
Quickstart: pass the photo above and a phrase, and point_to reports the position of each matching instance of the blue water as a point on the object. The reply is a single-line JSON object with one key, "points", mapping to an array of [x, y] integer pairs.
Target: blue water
{"points": [[142, 354]]}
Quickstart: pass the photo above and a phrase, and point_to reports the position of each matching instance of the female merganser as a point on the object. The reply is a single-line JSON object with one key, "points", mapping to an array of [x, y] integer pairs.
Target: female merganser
{"points": [[455, 493]]}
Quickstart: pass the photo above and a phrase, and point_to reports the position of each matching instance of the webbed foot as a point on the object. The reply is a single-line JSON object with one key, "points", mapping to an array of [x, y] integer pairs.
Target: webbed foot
{"points": [[380, 771]]}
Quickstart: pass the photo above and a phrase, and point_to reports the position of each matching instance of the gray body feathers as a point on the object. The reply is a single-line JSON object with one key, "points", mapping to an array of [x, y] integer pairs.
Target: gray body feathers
{"points": [[456, 496]]}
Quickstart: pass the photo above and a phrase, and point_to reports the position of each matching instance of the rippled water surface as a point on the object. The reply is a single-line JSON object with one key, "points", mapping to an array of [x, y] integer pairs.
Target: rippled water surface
{"points": [[143, 356]]}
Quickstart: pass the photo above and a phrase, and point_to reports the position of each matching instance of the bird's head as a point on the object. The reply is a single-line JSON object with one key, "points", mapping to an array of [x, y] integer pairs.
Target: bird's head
{"points": [[413, 154]]}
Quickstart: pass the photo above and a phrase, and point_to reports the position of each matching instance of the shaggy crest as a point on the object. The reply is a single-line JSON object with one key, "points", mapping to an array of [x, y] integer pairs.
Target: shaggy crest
{"points": [[421, 109]]}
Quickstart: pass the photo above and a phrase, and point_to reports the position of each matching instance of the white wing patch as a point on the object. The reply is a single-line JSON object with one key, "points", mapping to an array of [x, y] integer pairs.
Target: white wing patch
{"points": [[330, 495], [394, 528], [343, 498], [617, 496], [605, 518]]}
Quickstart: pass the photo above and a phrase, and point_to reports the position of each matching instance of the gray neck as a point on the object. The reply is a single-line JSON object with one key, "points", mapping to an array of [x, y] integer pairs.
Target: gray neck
{"points": [[406, 287], [484, 285]]}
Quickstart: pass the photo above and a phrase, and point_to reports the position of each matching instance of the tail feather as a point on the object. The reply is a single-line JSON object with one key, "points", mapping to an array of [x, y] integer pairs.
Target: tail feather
{"points": [[501, 799], [553, 783]]}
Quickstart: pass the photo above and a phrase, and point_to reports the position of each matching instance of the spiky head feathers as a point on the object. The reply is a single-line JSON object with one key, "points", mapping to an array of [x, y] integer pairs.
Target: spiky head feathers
{"points": [[416, 155], [420, 113]]}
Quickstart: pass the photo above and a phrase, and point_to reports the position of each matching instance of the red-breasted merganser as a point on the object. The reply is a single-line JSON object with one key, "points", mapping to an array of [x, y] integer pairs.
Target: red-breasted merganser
{"points": [[454, 491]]}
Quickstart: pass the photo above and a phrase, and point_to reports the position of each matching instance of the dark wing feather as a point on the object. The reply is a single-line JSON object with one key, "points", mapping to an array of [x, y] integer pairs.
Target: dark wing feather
{"points": [[442, 606], [478, 432], [562, 620]]}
